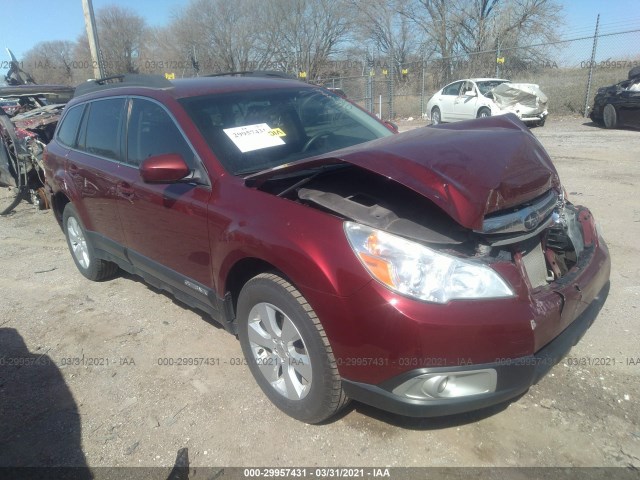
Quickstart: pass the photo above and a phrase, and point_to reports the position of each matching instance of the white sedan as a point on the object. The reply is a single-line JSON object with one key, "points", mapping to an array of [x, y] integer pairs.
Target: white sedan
{"points": [[483, 97]]}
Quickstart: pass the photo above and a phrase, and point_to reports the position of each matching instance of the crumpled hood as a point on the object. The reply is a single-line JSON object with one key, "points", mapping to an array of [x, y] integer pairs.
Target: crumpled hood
{"points": [[469, 169], [524, 97]]}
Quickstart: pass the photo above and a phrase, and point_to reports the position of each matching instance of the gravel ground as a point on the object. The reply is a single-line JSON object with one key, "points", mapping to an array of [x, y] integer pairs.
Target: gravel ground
{"points": [[119, 407]]}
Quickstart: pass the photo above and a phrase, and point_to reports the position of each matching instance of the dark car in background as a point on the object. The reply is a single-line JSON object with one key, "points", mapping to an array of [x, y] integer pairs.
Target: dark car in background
{"points": [[427, 273], [619, 105]]}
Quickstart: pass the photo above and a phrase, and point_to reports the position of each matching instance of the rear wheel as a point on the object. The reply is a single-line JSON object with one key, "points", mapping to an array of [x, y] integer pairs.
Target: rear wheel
{"points": [[436, 117], [610, 116], [81, 249], [287, 350]]}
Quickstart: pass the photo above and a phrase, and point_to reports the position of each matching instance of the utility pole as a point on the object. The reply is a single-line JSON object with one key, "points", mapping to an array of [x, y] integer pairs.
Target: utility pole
{"points": [[591, 64], [92, 34]]}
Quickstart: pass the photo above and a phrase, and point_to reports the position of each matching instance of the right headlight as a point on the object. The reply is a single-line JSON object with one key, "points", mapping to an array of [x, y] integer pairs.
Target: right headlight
{"points": [[421, 272]]}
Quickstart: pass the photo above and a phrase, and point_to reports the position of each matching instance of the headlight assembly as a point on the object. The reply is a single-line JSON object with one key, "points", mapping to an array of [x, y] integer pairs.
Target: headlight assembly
{"points": [[418, 271]]}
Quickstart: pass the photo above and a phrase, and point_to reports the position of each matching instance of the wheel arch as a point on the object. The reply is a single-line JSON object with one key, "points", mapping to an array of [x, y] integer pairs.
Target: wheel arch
{"points": [[58, 202], [483, 107], [240, 273]]}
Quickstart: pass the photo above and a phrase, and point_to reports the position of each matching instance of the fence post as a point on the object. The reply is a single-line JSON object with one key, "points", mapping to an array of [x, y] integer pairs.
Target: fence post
{"points": [[390, 91], [422, 102], [591, 64]]}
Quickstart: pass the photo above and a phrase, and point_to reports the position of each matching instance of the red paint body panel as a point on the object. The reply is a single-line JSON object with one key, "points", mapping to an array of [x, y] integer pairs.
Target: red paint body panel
{"points": [[166, 223], [95, 180]]}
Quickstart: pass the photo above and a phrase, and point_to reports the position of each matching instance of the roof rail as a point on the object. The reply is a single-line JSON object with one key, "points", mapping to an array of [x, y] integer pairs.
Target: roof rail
{"points": [[255, 73], [126, 80]]}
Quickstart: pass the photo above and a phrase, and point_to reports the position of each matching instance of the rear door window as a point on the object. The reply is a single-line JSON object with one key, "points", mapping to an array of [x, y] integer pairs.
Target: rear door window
{"points": [[103, 132], [453, 89]]}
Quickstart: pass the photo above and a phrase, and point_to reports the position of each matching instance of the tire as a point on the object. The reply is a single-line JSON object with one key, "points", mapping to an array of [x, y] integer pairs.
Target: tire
{"points": [[484, 112], [81, 249], [610, 116], [436, 116], [542, 122], [287, 350], [10, 196]]}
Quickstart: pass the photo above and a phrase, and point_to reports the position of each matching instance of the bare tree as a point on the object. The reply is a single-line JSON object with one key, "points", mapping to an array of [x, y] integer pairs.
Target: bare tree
{"points": [[302, 35], [218, 34], [162, 54], [51, 62], [385, 24], [470, 32], [477, 24], [525, 22], [120, 34], [438, 21], [82, 61]]}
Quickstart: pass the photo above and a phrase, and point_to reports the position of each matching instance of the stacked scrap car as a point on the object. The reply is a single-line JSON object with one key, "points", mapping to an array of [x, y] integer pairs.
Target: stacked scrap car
{"points": [[22, 139]]}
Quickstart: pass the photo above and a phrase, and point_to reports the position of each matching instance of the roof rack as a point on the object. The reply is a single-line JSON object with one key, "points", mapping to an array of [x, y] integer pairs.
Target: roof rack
{"points": [[255, 73], [126, 80]]}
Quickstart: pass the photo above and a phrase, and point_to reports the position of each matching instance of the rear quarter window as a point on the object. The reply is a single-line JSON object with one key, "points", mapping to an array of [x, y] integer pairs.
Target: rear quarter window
{"points": [[68, 131]]}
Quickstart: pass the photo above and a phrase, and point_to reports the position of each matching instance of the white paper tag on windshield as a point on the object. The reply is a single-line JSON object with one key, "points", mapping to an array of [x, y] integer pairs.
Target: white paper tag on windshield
{"points": [[254, 137]]}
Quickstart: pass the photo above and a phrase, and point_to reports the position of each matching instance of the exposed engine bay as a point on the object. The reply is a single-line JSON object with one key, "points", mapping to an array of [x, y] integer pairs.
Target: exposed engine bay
{"points": [[548, 242]]}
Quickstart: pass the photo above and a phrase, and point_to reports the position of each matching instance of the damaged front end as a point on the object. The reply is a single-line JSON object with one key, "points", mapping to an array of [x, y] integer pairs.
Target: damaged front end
{"points": [[465, 211], [525, 100]]}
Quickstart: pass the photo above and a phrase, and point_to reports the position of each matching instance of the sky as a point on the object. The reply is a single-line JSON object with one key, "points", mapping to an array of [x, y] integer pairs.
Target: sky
{"points": [[28, 22]]}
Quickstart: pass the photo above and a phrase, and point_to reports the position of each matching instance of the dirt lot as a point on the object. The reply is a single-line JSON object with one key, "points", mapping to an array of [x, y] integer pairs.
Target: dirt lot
{"points": [[119, 407]]}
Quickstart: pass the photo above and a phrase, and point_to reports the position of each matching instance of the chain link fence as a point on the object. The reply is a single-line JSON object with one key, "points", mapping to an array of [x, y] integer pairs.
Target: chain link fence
{"points": [[568, 71]]}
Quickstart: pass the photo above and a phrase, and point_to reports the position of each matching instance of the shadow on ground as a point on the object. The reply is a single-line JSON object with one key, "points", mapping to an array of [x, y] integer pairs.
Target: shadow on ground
{"points": [[39, 419]]}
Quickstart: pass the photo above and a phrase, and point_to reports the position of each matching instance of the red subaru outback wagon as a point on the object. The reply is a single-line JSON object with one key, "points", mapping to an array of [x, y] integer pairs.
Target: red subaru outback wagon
{"points": [[426, 273]]}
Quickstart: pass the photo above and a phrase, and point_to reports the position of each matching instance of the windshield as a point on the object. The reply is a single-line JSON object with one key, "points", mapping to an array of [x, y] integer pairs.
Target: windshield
{"points": [[486, 86], [254, 131]]}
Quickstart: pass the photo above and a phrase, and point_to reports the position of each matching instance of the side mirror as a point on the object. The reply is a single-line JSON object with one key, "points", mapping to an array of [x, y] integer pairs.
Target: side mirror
{"points": [[165, 168]]}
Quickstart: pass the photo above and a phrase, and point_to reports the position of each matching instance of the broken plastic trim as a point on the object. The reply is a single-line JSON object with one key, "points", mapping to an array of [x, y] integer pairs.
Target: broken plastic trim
{"points": [[375, 216]]}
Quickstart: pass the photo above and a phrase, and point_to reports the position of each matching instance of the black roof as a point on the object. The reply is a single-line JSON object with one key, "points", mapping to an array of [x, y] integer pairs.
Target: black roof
{"points": [[160, 82]]}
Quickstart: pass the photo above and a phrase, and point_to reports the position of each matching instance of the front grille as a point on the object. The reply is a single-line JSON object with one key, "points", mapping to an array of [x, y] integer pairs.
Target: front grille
{"points": [[535, 265], [524, 218]]}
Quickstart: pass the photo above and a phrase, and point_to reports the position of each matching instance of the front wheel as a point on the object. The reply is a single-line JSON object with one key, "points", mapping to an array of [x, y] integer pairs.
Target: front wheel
{"points": [[484, 112], [81, 249], [287, 350]]}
